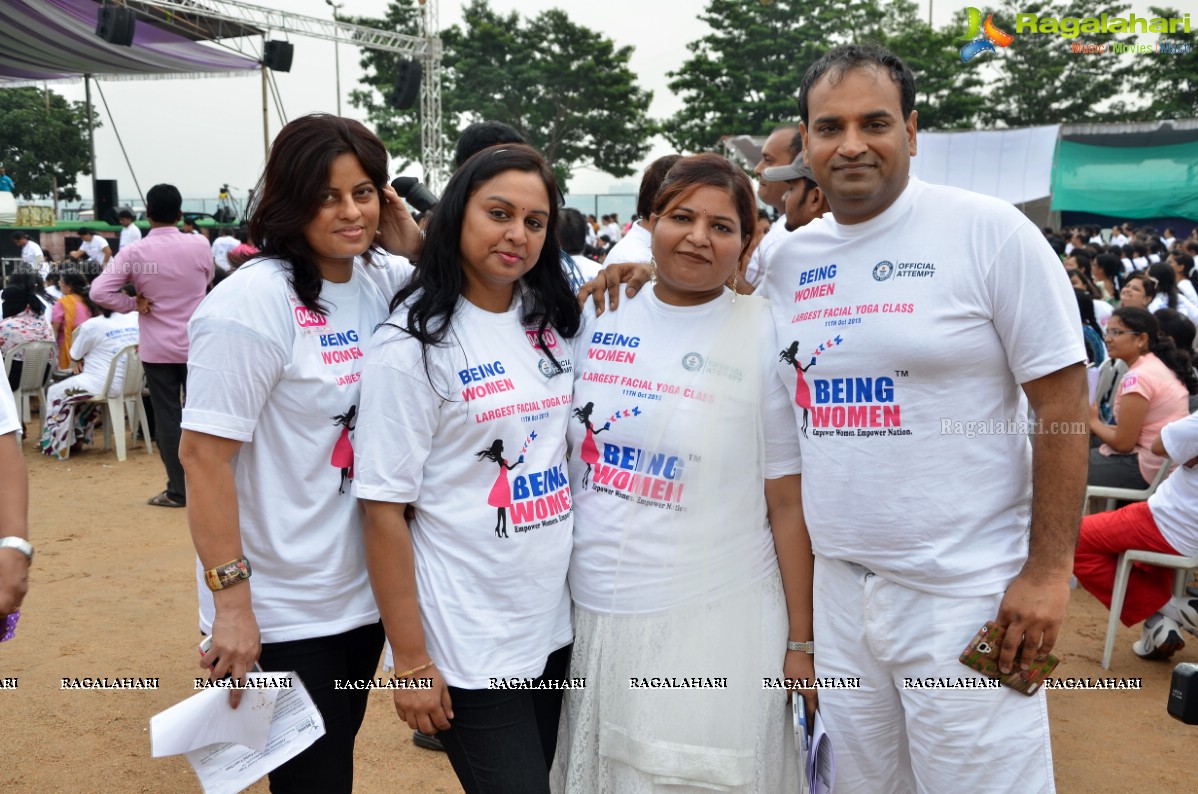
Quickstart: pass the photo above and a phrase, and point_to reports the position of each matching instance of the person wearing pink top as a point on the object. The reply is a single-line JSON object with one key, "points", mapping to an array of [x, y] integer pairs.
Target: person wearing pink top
{"points": [[171, 272], [1154, 392]]}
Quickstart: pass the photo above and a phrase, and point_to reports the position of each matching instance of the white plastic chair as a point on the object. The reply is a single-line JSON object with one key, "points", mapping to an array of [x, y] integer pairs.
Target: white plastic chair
{"points": [[130, 395], [35, 377], [1184, 566], [1127, 494]]}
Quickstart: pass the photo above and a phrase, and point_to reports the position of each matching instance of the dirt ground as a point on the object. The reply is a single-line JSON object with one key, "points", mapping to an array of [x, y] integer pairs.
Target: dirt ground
{"points": [[113, 594]]}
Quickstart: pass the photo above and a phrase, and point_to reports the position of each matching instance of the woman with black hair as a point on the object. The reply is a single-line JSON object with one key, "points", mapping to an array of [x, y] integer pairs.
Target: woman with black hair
{"points": [[1091, 330], [1154, 392], [476, 347], [1168, 296], [71, 311], [1107, 272], [24, 320], [273, 378]]}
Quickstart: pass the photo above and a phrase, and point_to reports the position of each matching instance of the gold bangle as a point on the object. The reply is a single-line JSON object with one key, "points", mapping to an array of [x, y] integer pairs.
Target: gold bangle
{"points": [[414, 670]]}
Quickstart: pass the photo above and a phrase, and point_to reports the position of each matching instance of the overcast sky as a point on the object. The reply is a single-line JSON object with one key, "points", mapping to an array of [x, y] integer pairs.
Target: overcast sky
{"points": [[198, 134]]}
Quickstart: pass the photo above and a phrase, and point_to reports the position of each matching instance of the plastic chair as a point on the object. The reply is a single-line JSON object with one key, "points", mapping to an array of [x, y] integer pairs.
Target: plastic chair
{"points": [[131, 389], [1127, 494], [1184, 566], [35, 376]]}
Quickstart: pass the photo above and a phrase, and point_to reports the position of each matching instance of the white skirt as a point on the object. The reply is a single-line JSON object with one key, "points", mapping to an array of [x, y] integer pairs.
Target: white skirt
{"points": [[623, 738]]}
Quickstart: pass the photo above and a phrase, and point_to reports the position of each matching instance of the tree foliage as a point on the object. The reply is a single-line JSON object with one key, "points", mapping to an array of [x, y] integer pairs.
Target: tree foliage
{"points": [[1165, 86], [744, 76], [398, 129], [1041, 81], [947, 93], [568, 89], [38, 144]]}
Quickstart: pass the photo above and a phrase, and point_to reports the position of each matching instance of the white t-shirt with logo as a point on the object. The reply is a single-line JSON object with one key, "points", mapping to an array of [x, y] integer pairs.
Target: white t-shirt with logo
{"points": [[284, 380], [915, 330], [643, 374], [99, 340], [1175, 503], [9, 420], [493, 602]]}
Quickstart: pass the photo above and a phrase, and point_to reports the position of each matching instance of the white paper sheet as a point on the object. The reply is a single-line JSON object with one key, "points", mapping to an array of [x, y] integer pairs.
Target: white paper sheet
{"points": [[821, 767], [229, 748]]}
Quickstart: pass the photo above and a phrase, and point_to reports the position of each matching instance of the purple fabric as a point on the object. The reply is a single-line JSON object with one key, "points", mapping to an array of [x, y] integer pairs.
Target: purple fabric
{"points": [[55, 39]]}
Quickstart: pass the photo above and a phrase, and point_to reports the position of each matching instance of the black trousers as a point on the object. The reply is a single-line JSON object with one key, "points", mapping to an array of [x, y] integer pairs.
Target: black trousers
{"points": [[166, 383], [327, 766], [503, 741]]}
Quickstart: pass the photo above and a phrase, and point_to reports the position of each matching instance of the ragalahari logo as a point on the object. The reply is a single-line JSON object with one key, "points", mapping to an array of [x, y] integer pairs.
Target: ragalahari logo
{"points": [[981, 38]]}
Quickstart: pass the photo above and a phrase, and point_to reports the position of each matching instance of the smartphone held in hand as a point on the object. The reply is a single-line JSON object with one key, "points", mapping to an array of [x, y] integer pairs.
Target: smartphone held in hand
{"points": [[982, 655]]}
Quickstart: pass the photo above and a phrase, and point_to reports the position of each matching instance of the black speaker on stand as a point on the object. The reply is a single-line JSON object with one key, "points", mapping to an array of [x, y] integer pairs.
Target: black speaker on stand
{"points": [[115, 25], [106, 201], [277, 55], [407, 85]]}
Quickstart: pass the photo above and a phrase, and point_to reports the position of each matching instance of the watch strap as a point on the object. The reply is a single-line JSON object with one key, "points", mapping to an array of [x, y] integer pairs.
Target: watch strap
{"points": [[805, 647], [20, 544], [227, 575]]}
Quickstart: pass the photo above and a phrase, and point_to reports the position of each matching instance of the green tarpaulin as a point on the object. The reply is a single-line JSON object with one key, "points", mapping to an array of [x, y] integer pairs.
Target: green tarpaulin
{"points": [[1127, 182]]}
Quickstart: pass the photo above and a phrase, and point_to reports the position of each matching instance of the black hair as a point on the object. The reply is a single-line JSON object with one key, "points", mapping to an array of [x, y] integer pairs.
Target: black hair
{"points": [[482, 135], [82, 287], [163, 204], [437, 285], [836, 62], [288, 195], [1084, 277], [19, 236], [16, 298], [572, 231], [1083, 260], [1166, 282], [1140, 321], [125, 212], [655, 174], [1112, 268], [1177, 327]]}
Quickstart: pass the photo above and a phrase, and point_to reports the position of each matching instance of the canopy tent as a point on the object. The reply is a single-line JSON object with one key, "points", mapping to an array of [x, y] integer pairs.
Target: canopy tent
{"points": [[47, 40]]}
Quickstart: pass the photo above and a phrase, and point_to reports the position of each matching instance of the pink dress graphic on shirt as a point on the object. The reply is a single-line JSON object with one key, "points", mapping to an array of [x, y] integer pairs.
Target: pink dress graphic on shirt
{"points": [[589, 453], [500, 496], [802, 392], [343, 450]]}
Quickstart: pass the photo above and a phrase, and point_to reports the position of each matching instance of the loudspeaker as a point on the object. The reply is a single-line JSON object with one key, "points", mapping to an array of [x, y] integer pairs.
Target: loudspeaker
{"points": [[106, 201], [115, 25], [407, 85], [277, 55]]}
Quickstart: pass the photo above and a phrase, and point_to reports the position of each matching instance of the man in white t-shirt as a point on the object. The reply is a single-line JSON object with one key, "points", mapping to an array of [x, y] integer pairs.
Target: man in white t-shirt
{"points": [[636, 245], [221, 247], [15, 551], [130, 233], [913, 350], [93, 247], [32, 255], [612, 229], [780, 148]]}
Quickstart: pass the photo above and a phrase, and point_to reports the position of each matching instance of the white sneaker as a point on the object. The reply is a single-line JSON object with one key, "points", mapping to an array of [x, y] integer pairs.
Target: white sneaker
{"points": [[1160, 640], [1188, 609]]}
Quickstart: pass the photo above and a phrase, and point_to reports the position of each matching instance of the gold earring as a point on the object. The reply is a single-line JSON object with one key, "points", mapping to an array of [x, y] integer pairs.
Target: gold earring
{"points": [[734, 278], [652, 270]]}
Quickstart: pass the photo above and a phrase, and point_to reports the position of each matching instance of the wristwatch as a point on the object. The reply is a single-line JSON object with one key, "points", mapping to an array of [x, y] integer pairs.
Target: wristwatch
{"points": [[20, 544], [805, 647]]}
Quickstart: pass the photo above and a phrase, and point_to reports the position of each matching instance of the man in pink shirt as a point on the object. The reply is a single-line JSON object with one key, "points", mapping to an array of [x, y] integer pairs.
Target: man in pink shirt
{"points": [[171, 272]]}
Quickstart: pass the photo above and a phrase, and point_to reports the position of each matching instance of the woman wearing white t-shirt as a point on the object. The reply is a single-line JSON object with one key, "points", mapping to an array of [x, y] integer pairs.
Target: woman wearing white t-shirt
{"points": [[466, 393], [680, 611], [273, 371], [93, 347]]}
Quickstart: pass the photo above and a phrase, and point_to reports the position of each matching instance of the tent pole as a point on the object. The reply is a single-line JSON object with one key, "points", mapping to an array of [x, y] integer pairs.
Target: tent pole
{"points": [[91, 131], [265, 119]]}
